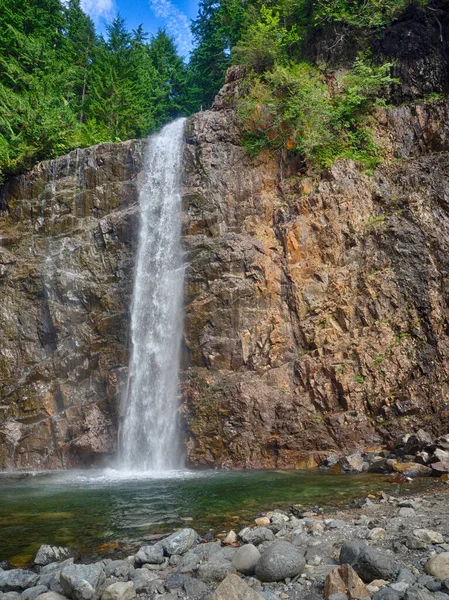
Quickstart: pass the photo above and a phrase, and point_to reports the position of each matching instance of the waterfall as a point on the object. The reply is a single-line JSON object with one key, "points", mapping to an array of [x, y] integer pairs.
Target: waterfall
{"points": [[149, 435]]}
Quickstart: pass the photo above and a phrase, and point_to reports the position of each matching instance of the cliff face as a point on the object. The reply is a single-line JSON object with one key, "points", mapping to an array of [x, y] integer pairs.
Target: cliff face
{"points": [[68, 236], [316, 308]]}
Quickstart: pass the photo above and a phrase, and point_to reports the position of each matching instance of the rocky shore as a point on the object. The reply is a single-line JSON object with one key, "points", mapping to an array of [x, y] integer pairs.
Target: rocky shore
{"points": [[387, 549]]}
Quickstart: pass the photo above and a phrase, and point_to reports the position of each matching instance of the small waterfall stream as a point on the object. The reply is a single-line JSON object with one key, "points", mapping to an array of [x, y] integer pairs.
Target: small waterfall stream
{"points": [[149, 435]]}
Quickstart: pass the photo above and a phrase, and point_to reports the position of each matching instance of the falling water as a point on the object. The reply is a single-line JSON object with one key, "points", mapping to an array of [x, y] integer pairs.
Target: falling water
{"points": [[149, 435]]}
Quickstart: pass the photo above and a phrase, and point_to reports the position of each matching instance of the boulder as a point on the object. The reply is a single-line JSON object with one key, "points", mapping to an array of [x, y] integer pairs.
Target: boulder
{"points": [[352, 463], [256, 535], [49, 575], [180, 542], [421, 538], [215, 570], [279, 561], [119, 591], [344, 580], [441, 467], [230, 539], [52, 596], [376, 534], [82, 582], [246, 559], [207, 550], [234, 588], [412, 469], [370, 563], [416, 592], [34, 592], [189, 563], [195, 589], [387, 593], [119, 569], [438, 566], [262, 521], [146, 582], [17, 580], [10, 596], [153, 555], [50, 554]]}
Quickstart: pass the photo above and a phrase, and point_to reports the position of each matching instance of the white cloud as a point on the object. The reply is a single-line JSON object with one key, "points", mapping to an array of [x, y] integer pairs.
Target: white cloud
{"points": [[175, 22], [99, 8]]}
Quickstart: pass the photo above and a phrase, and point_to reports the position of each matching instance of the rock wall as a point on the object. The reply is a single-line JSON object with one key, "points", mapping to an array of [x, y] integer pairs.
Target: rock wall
{"points": [[316, 309], [67, 240], [316, 306]]}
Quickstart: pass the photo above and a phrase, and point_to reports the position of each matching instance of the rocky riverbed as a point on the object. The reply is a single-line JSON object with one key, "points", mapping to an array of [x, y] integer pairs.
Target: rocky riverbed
{"points": [[387, 549]]}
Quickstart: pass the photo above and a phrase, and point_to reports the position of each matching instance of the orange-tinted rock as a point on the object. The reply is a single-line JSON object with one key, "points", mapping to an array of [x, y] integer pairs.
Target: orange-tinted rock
{"points": [[344, 580]]}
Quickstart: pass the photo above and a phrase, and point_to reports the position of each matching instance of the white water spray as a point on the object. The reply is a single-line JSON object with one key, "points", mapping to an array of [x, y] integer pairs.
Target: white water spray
{"points": [[150, 432]]}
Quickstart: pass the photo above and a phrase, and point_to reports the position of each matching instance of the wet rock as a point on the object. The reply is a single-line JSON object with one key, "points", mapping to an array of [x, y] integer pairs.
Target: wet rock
{"points": [[17, 580], [234, 588], [34, 592], [279, 561], [344, 580], [256, 535], [49, 554], [82, 582], [151, 554], [246, 559], [180, 542], [437, 566], [119, 591]]}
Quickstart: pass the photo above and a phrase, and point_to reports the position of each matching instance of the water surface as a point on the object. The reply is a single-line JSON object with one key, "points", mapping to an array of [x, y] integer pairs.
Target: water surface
{"points": [[87, 509]]}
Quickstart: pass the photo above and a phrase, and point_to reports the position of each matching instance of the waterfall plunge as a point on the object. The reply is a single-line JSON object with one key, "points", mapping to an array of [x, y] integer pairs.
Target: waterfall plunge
{"points": [[150, 435]]}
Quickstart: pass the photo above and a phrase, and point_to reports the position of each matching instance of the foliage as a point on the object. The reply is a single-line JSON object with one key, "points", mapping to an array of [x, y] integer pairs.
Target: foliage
{"points": [[362, 13], [294, 107], [61, 86]]}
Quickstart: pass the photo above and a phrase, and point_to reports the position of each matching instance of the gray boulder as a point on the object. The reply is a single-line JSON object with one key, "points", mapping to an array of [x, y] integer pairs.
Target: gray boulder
{"points": [[207, 550], [34, 592], [119, 569], [180, 542], [279, 561], [215, 570], [82, 582], [146, 582], [416, 592], [369, 563], [189, 563], [10, 596], [438, 566], [153, 555], [52, 596], [49, 575], [119, 591], [50, 554], [246, 559], [352, 463], [387, 593], [256, 535], [17, 580], [195, 589]]}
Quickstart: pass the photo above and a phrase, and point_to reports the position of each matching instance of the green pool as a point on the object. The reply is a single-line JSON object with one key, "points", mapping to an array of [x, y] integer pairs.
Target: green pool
{"points": [[96, 511]]}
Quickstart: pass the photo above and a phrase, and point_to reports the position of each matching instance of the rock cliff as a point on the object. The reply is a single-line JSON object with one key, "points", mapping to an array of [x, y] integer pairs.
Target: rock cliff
{"points": [[316, 304], [68, 237]]}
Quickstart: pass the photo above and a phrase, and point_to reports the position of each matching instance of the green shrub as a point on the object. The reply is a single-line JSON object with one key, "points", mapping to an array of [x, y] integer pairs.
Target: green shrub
{"points": [[296, 108], [366, 13]]}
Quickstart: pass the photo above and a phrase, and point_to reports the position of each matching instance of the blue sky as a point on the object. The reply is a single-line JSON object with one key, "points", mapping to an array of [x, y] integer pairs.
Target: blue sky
{"points": [[173, 15]]}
